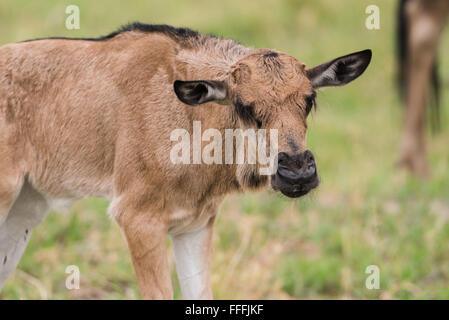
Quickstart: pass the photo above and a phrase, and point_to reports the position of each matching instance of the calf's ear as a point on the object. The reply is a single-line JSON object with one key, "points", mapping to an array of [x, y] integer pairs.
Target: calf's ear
{"points": [[197, 92], [339, 71]]}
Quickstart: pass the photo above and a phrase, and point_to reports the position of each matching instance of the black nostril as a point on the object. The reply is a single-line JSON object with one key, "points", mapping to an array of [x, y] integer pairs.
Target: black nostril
{"points": [[308, 156], [282, 157]]}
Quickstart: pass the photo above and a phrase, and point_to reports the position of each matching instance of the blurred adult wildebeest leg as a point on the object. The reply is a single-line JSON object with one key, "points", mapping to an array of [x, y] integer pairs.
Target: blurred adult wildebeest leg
{"points": [[422, 24]]}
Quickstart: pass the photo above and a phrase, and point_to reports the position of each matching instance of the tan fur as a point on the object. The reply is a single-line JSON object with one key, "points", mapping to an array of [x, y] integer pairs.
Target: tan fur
{"points": [[82, 118]]}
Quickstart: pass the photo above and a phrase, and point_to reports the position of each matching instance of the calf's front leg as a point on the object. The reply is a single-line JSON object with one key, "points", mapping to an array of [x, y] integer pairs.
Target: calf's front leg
{"points": [[146, 236], [192, 255]]}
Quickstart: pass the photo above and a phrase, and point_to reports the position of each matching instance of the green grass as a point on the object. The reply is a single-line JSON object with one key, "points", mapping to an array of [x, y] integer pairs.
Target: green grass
{"points": [[365, 211]]}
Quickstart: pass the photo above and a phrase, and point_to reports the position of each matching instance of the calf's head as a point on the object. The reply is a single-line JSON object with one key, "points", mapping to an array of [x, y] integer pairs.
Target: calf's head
{"points": [[272, 90]]}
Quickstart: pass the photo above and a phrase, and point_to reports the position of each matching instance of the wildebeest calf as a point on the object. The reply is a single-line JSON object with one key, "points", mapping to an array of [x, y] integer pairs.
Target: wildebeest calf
{"points": [[93, 117]]}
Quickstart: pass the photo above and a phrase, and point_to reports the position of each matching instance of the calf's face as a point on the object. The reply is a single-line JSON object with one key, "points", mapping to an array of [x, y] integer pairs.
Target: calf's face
{"points": [[272, 90]]}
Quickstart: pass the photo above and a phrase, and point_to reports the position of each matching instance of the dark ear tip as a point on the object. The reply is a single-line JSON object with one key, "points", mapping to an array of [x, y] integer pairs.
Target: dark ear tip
{"points": [[368, 54]]}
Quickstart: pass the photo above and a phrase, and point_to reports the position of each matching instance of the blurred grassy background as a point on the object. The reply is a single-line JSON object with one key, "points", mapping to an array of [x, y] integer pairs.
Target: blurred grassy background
{"points": [[266, 246]]}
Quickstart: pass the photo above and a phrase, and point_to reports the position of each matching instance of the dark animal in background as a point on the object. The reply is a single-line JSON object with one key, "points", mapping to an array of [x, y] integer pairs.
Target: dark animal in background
{"points": [[420, 26]]}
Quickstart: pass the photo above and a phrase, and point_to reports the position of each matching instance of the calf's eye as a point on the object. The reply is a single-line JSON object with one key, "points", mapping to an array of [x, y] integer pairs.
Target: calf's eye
{"points": [[310, 103]]}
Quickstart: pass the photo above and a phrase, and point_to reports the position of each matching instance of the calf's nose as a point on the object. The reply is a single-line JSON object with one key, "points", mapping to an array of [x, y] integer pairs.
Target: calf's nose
{"points": [[298, 169]]}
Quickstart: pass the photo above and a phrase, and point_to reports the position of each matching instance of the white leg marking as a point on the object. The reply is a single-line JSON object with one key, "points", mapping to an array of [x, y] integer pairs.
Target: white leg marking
{"points": [[28, 211], [192, 252]]}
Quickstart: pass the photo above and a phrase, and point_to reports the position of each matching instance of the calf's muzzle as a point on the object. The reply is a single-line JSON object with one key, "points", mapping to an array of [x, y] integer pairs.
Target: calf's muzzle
{"points": [[296, 174]]}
